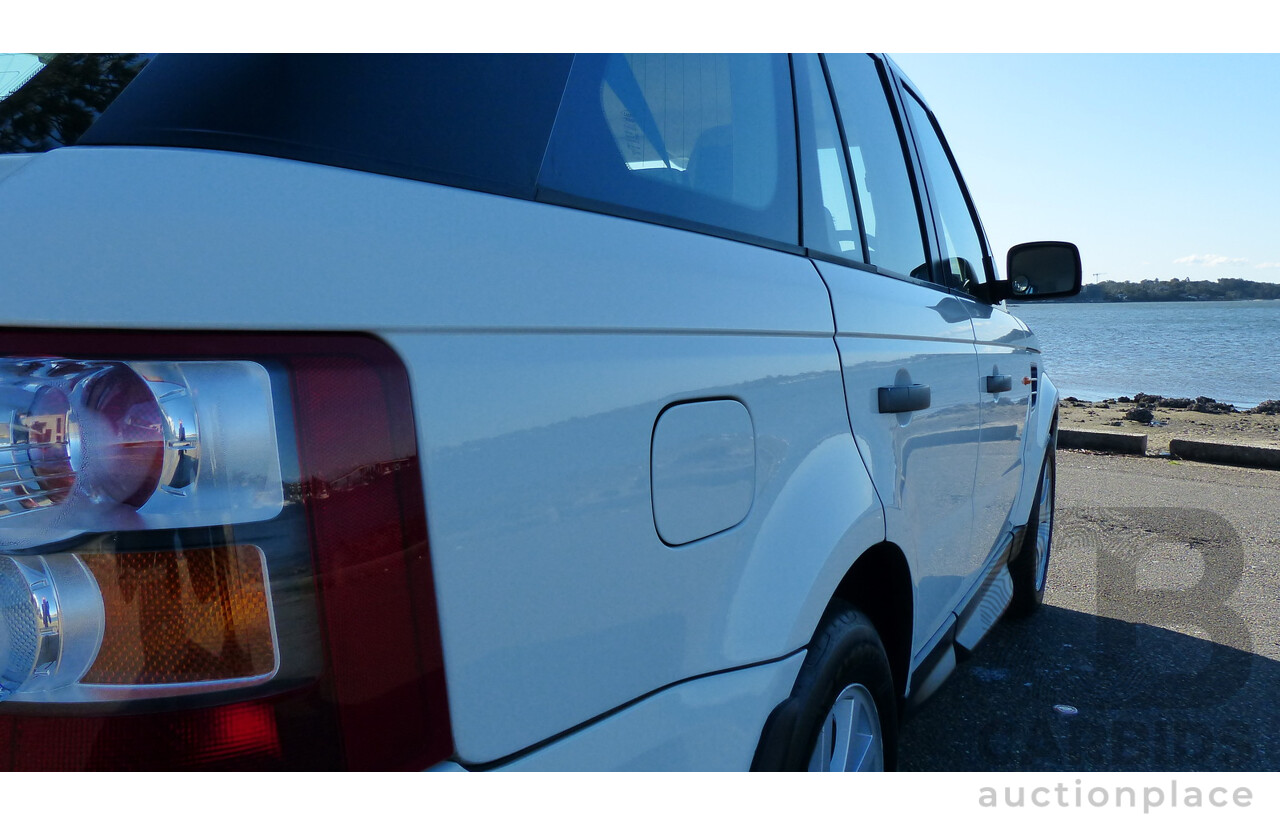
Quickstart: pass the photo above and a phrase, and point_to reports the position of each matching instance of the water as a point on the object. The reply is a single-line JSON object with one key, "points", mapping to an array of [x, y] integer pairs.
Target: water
{"points": [[1226, 350]]}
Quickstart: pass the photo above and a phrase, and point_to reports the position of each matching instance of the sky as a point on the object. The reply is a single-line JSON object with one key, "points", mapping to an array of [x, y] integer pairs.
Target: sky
{"points": [[1155, 165], [1157, 159]]}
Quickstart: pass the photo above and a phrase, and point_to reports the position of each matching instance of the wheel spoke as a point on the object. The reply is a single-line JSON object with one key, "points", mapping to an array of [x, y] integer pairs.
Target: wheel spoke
{"points": [[867, 753], [850, 738], [843, 715], [821, 759]]}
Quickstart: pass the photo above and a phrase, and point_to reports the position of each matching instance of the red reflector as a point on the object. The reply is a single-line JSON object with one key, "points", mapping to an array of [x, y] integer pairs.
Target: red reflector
{"points": [[238, 729], [247, 736]]}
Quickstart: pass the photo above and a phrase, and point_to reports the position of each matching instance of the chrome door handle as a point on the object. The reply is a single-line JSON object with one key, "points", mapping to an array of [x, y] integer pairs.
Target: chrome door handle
{"points": [[904, 399], [999, 383]]}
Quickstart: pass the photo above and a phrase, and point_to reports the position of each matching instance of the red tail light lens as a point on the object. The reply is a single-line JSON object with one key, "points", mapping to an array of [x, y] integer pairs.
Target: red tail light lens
{"points": [[216, 556]]}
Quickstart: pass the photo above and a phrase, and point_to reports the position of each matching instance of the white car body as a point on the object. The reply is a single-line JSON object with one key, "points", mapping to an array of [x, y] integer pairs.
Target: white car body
{"points": [[651, 456]]}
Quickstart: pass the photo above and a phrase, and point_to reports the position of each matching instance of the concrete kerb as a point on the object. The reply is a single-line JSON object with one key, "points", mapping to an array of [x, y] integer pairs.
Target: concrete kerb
{"points": [[1239, 455], [1126, 443]]}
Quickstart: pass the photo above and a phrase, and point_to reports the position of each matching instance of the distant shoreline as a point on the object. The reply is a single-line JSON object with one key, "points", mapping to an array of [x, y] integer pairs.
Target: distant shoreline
{"points": [[1174, 290], [1118, 300]]}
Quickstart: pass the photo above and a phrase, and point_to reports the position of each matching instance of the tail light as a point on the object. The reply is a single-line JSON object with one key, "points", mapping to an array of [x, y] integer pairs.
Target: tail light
{"points": [[213, 554]]}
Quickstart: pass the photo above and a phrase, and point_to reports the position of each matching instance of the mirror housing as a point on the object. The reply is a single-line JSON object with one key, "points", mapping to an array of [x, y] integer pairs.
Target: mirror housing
{"points": [[1037, 271]]}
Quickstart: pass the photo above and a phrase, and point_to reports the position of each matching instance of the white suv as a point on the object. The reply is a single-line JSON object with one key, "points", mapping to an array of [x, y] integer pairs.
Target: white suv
{"points": [[500, 411]]}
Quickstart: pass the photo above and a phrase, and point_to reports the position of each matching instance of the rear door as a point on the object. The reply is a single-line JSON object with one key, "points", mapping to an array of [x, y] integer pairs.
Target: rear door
{"points": [[898, 332]]}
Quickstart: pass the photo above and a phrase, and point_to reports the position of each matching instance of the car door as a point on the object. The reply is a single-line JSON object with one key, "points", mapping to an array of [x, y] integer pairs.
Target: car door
{"points": [[1004, 362], [905, 342]]}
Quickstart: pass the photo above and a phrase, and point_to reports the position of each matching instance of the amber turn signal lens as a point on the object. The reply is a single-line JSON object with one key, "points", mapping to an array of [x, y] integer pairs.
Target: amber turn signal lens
{"points": [[198, 615]]}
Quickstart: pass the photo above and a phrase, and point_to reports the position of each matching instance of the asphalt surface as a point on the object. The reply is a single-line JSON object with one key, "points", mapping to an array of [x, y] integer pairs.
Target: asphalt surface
{"points": [[1158, 645]]}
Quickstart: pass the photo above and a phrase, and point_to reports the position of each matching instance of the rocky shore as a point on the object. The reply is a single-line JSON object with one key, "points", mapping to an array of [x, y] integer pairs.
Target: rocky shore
{"points": [[1162, 419]]}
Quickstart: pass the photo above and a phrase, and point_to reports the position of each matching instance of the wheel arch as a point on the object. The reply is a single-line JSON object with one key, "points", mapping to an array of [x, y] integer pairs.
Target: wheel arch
{"points": [[879, 584]]}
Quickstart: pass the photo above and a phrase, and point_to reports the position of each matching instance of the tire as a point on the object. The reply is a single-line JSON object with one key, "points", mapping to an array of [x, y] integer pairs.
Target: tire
{"points": [[1030, 570], [842, 714]]}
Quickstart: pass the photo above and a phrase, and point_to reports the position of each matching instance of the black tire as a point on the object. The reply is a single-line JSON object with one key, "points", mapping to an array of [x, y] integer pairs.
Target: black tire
{"points": [[845, 683], [1030, 570]]}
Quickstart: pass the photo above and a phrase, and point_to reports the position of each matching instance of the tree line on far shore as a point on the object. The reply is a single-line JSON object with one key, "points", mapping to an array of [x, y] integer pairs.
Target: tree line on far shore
{"points": [[1173, 289]]}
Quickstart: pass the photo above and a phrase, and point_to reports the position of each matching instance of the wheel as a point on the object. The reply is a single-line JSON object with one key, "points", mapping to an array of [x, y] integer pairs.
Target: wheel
{"points": [[1030, 569], [841, 715]]}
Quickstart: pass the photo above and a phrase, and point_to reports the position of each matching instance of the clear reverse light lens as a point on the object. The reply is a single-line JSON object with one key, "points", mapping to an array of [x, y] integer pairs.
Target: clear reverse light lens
{"points": [[93, 446]]}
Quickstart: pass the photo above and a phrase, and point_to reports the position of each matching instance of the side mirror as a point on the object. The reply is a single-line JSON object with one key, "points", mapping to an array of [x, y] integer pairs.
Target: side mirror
{"points": [[1044, 269]]}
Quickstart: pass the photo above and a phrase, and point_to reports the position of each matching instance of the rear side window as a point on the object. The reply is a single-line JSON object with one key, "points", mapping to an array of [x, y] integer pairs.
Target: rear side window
{"points": [[705, 140], [830, 216], [890, 218], [475, 121]]}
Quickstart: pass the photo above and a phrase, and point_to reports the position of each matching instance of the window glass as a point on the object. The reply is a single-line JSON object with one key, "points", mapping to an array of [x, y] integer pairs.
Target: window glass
{"points": [[479, 121], [707, 139], [889, 215], [830, 218], [51, 100], [961, 266]]}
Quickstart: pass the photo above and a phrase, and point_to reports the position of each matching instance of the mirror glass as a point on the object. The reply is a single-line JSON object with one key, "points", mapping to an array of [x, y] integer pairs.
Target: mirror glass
{"points": [[1044, 269]]}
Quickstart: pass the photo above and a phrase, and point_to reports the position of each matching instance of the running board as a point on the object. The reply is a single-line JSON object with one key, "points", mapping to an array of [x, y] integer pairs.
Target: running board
{"points": [[929, 670], [962, 631], [985, 609]]}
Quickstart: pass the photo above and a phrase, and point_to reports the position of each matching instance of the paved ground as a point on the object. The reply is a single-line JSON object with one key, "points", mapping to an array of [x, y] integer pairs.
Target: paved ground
{"points": [[1161, 630]]}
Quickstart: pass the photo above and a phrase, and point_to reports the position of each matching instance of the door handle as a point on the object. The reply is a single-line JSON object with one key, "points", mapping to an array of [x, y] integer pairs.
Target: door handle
{"points": [[904, 399], [999, 383]]}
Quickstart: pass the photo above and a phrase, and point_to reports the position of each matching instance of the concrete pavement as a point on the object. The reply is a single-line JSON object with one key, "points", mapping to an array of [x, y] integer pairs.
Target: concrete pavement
{"points": [[1161, 630]]}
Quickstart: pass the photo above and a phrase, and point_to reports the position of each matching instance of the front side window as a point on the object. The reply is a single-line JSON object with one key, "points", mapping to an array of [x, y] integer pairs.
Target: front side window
{"points": [[705, 139], [961, 266], [890, 218]]}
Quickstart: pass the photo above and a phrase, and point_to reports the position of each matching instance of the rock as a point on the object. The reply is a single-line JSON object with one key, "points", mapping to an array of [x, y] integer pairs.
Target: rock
{"points": [[1176, 403], [1144, 400], [1104, 405], [1124, 399], [1142, 415], [1268, 407], [1205, 404]]}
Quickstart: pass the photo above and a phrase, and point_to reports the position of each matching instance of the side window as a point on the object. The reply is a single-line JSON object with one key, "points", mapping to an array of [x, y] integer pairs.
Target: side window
{"points": [[890, 218], [704, 139], [961, 266], [830, 216]]}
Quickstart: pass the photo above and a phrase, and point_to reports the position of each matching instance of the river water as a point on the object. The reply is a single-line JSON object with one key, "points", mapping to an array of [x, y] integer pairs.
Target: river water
{"points": [[1227, 350]]}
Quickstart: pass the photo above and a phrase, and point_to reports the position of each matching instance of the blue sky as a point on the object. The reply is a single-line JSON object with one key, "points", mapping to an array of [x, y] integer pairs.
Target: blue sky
{"points": [[1155, 165]]}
